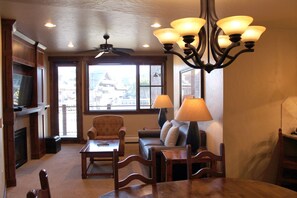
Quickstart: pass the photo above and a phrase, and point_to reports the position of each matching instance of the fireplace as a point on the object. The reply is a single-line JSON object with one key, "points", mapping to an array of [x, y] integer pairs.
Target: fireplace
{"points": [[20, 137]]}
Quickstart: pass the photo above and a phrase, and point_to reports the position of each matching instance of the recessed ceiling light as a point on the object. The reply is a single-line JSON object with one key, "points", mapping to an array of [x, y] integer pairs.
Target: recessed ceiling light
{"points": [[50, 25], [146, 45], [70, 44], [156, 25]]}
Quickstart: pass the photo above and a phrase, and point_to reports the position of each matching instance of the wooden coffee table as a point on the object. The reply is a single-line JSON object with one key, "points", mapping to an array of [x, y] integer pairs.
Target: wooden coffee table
{"points": [[99, 149]]}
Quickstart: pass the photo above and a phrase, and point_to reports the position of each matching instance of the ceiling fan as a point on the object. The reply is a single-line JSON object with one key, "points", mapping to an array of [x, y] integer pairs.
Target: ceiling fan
{"points": [[108, 48]]}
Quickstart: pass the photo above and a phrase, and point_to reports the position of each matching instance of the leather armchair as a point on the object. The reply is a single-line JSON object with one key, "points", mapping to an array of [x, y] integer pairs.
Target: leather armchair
{"points": [[109, 127]]}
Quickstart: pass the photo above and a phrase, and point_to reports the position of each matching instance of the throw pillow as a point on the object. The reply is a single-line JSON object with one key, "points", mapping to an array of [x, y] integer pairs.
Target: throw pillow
{"points": [[165, 128], [172, 136]]}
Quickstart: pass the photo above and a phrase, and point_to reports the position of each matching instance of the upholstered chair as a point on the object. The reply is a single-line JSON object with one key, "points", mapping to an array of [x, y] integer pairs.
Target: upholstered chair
{"points": [[109, 127]]}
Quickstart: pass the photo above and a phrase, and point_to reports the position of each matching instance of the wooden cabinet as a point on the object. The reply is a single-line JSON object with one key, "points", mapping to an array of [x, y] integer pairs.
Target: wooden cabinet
{"points": [[23, 52], [19, 56]]}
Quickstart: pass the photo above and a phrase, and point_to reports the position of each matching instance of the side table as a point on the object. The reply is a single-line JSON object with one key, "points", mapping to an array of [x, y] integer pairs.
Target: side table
{"points": [[174, 156], [170, 157]]}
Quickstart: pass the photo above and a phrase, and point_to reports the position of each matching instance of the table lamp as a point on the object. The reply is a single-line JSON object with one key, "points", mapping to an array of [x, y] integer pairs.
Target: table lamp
{"points": [[193, 110], [162, 102]]}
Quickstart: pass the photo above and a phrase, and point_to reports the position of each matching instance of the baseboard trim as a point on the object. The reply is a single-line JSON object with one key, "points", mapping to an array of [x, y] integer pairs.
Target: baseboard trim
{"points": [[131, 139]]}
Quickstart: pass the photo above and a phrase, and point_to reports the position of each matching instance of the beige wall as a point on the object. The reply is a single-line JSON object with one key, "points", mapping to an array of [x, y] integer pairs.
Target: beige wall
{"points": [[255, 85], [2, 178]]}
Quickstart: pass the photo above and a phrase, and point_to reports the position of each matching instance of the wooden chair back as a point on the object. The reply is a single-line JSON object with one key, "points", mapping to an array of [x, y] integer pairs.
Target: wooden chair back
{"points": [[287, 166], [152, 179], [44, 192], [212, 162]]}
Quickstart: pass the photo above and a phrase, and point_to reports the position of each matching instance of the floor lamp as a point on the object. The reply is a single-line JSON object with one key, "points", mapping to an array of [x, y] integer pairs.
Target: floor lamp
{"points": [[162, 102], [193, 110]]}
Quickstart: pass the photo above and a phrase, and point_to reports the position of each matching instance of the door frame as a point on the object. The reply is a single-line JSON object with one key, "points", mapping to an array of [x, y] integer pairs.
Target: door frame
{"points": [[54, 103]]}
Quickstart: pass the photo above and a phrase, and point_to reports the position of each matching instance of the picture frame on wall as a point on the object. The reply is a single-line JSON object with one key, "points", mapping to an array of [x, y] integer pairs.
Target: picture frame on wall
{"points": [[191, 84]]}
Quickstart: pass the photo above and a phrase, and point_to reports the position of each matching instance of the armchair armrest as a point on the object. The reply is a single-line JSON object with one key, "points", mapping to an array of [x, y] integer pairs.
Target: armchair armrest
{"points": [[148, 133], [122, 132], [92, 133]]}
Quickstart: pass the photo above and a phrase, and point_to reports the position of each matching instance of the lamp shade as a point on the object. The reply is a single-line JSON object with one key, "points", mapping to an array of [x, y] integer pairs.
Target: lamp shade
{"points": [[193, 109], [252, 33], [235, 24], [224, 41], [162, 101], [188, 26], [166, 35]]}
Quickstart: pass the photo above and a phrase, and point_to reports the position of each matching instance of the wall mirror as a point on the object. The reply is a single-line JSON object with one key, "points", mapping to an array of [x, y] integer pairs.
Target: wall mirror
{"points": [[191, 84]]}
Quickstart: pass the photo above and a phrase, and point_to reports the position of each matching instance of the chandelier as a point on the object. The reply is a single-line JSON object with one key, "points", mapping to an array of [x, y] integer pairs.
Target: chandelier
{"points": [[207, 34]]}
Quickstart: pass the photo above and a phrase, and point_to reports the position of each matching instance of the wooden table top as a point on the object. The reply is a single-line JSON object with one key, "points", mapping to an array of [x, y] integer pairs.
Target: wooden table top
{"points": [[207, 187], [175, 154], [94, 146]]}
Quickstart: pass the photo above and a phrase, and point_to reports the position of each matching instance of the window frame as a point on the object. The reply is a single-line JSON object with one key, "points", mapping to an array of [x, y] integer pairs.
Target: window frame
{"points": [[121, 60]]}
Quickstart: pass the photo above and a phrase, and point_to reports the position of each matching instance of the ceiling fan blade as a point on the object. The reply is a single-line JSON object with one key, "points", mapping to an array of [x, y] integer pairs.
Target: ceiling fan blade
{"points": [[88, 51], [122, 51], [100, 54], [126, 50]]}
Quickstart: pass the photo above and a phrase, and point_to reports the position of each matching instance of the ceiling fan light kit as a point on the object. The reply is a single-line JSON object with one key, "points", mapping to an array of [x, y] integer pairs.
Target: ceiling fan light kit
{"points": [[207, 34], [108, 48]]}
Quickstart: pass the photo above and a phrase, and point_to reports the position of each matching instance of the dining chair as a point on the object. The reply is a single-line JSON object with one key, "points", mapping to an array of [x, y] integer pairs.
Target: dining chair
{"points": [[214, 164], [150, 163], [44, 192], [287, 167]]}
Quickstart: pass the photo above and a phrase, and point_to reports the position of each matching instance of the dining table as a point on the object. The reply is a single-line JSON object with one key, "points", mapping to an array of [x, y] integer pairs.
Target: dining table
{"points": [[205, 187]]}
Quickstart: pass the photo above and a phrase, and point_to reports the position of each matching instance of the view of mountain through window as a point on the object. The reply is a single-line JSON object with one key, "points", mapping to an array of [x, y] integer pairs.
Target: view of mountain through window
{"points": [[112, 87], [115, 87]]}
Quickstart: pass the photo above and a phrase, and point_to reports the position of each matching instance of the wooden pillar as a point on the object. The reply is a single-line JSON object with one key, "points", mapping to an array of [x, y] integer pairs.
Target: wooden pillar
{"points": [[8, 114]]}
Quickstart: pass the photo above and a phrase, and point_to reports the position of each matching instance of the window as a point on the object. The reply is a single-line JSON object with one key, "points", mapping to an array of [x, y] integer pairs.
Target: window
{"points": [[124, 86]]}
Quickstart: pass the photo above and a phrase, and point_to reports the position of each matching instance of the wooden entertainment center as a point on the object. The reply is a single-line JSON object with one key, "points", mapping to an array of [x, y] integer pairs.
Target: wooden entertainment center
{"points": [[20, 56]]}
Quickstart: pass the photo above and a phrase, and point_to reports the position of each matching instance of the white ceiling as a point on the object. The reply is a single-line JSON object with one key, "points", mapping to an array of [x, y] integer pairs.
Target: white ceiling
{"points": [[127, 21]]}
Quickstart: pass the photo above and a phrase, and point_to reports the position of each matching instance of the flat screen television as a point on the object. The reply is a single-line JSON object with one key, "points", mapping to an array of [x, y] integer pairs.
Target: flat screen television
{"points": [[22, 90]]}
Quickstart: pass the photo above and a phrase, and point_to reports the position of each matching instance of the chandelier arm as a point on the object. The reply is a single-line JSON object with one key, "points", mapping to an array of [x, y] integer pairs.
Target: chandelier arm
{"points": [[202, 42], [218, 49], [215, 49], [212, 13], [196, 55], [224, 56], [203, 8], [184, 59], [234, 57]]}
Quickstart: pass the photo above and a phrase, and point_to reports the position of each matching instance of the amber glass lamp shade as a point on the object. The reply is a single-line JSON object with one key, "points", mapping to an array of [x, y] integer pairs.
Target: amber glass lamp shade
{"points": [[188, 26], [252, 33], [224, 41], [167, 35], [234, 24]]}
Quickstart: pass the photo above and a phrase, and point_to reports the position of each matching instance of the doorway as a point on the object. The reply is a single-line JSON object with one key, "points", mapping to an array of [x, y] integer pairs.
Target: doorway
{"points": [[66, 97], [67, 101]]}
